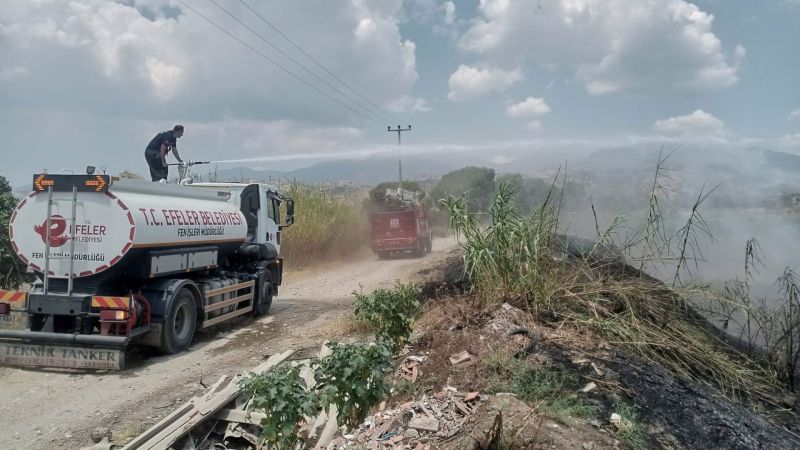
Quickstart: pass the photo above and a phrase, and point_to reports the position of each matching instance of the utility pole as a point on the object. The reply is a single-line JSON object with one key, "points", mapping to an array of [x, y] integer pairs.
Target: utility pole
{"points": [[399, 130]]}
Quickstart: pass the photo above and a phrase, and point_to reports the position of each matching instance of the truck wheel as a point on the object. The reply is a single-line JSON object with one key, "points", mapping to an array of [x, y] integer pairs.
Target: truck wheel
{"points": [[420, 251], [383, 255], [264, 300], [179, 323]]}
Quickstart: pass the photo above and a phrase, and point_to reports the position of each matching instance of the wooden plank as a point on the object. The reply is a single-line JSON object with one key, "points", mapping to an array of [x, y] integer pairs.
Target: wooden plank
{"points": [[163, 427], [230, 315], [225, 290], [268, 364], [166, 432], [230, 301], [239, 416], [213, 389]]}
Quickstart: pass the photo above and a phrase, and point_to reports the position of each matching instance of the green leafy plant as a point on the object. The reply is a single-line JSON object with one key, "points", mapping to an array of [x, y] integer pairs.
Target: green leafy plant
{"points": [[352, 378], [281, 394], [391, 312], [513, 257]]}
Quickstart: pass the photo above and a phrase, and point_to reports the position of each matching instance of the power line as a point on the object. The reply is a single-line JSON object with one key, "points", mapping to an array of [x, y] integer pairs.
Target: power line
{"points": [[275, 28], [259, 53], [294, 60]]}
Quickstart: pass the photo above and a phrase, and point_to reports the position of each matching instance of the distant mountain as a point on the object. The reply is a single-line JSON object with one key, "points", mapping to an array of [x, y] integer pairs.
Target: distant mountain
{"points": [[246, 173], [358, 171], [733, 168], [781, 160], [708, 162]]}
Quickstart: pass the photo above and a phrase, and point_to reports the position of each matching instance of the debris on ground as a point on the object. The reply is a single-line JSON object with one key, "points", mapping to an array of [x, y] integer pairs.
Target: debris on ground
{"points": [[506, 319], [218, 416], [619, 422], [102, 444], [100, 433], [416, 424], [460, 358], [409, 369], [590, 386]]}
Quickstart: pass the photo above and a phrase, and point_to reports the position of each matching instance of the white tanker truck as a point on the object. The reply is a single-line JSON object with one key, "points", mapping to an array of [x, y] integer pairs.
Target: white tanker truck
{"points": [[125, 262]]}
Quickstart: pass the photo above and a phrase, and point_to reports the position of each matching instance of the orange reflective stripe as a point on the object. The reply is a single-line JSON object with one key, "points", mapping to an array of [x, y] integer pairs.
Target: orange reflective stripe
{"points": [[103, 302], [12, 296]]}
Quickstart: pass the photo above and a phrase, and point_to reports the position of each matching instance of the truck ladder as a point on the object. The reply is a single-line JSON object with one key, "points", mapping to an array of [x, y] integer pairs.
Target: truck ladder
{"points": [[73, 227]]}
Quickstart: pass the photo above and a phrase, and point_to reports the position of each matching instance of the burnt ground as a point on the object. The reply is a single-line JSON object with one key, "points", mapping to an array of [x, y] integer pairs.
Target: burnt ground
{"points": [[676, 412], [694, 415]]}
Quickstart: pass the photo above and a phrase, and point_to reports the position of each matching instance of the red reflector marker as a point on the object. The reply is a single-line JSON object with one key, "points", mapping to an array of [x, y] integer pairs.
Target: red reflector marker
{"points": [[5, 308], [111, 315]]}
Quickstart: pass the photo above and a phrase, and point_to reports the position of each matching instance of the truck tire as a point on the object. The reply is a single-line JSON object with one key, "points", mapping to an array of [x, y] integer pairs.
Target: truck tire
{"points": [[263, 302], [420, 251], [179, 323], [384, 255]]}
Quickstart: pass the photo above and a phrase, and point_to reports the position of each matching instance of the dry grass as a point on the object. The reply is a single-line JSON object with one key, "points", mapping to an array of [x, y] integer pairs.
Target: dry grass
{"points": [[352, 325], [517, 259], [641, 316], [326, 225]]}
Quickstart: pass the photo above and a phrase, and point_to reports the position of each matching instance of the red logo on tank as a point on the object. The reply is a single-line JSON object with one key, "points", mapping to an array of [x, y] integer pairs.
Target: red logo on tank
{"points": [[58, 225]]}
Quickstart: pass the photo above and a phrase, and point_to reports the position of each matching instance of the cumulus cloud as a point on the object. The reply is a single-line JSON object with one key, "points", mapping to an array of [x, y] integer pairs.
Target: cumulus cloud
{"points": [[698, 123], [612, 45], [468, 82], [92, 72], [407, 103], [531, 106], [155, 57]]}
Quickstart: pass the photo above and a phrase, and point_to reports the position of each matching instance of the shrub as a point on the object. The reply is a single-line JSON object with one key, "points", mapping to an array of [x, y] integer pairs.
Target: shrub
{"points": [[390, 312], [281, 394], [12, 272], [352, 378], [511, 257], [518, 259]]}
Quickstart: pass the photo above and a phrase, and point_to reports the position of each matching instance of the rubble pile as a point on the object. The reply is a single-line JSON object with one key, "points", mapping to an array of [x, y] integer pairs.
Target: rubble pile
{"points": [[506, 319], [409, 369], [416, 424]]}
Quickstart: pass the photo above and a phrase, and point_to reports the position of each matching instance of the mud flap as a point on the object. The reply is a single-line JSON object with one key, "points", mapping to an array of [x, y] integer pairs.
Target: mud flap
{"points": [[44, 355]]}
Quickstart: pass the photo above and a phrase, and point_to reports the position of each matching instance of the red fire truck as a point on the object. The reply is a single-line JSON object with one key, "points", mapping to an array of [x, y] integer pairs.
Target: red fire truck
{"points": [[400, 225]]}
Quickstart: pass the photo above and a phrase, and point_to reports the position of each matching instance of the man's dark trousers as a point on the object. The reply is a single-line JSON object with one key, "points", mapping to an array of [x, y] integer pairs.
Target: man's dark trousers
{"points": [[158, 171]]}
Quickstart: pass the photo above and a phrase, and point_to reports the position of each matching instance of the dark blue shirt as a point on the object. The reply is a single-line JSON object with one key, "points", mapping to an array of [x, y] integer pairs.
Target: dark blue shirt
{"points": [[165, 137]]}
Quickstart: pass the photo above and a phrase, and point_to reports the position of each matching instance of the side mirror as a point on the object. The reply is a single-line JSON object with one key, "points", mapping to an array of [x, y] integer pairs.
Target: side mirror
{"points": [[289, 213]]}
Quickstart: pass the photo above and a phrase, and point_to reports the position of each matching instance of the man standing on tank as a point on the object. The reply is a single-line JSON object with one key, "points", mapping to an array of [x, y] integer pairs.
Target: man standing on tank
{"points": [[156, 152]]}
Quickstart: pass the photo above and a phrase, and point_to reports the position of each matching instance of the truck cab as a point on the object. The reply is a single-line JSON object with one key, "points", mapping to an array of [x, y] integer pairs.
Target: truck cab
{"points": [[261, 205]]}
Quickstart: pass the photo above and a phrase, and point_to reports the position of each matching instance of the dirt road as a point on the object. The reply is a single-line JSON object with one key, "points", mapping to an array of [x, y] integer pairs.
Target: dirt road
{"points": [[43, 409]]}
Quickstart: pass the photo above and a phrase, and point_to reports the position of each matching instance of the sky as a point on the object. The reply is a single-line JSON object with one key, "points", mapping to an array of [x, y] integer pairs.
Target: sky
{"points": [[91, 81]]}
